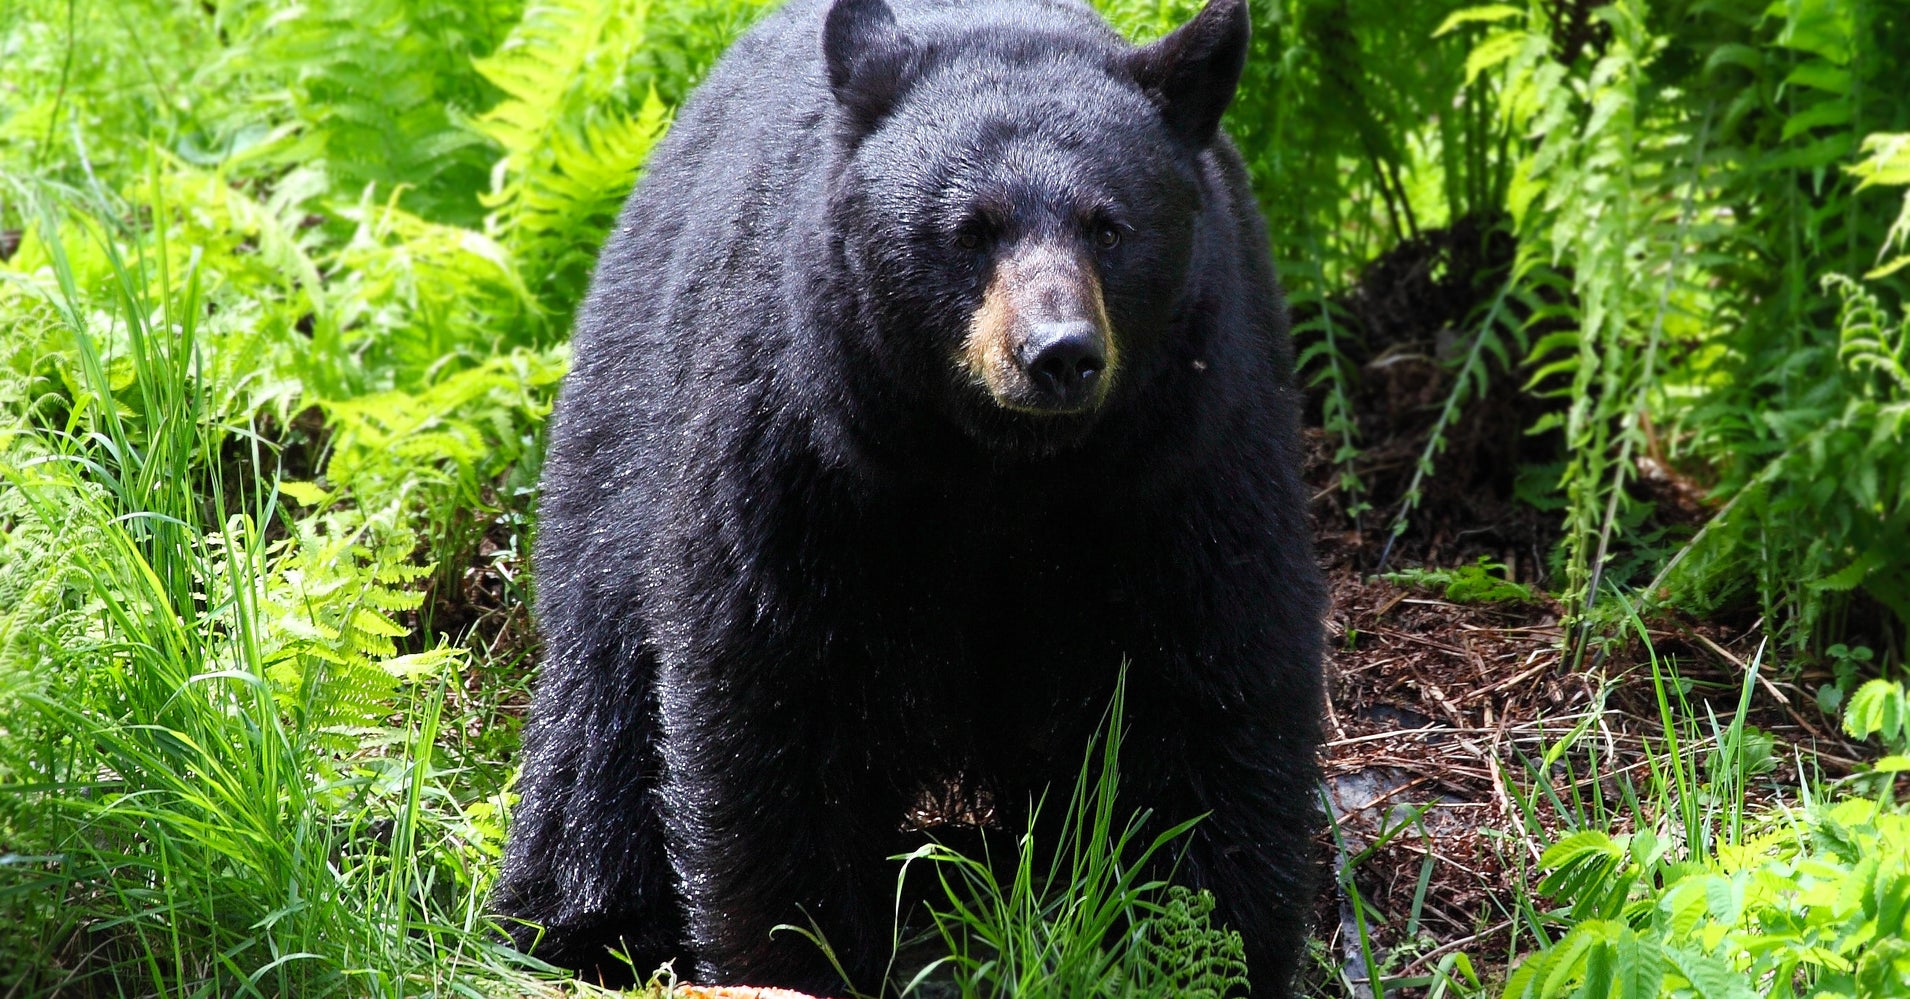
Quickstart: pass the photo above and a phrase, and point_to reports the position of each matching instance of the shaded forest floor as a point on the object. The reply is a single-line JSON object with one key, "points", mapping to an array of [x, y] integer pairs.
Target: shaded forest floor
{"points": [[1440, 720], [1444, 766]]}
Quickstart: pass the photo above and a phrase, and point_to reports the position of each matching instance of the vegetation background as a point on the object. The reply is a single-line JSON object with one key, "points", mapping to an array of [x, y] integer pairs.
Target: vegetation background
{"points": [[284, 295]]}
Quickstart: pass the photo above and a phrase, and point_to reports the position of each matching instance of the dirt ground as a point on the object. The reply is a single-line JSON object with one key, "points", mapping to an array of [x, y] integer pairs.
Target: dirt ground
{"points": [[1441, 713], [1440, 719]]}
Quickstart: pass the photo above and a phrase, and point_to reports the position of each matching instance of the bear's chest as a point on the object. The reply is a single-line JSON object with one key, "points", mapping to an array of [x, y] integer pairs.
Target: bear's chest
{"points": [[1007, 597]]}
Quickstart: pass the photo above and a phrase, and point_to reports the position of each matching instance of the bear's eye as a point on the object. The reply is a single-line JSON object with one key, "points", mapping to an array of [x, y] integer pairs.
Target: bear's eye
{"points": [[1107, 236]]}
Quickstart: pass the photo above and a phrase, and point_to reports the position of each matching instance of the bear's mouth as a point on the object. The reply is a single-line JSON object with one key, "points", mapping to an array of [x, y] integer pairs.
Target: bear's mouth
{"points": [[1015, 434]]}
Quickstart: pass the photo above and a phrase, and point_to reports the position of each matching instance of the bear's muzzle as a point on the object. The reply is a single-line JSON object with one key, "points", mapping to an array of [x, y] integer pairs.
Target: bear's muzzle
{"points": [[1041, 342]]}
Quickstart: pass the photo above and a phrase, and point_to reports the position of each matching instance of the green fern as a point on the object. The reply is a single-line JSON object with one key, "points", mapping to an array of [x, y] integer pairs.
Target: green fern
{"points": [[1323, 364], [1603, 192], [1179, 952], [417, 300], [1887, 163], [1498, 338], [1837, 491], [1482, 582], [573, 134], [330, 647], [457, 435], [1795, 88], [376, 92]]}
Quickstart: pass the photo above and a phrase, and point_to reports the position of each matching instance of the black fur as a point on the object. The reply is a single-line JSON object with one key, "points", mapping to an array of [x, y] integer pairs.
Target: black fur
{"points": [[794, 565]]}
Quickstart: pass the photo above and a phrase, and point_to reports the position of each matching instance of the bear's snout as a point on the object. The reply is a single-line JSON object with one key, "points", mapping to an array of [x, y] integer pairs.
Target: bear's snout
{"points": [[1040, 342]]}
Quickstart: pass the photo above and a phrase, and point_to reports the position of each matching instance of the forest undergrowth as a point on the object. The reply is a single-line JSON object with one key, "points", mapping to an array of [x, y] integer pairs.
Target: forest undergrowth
{"points": [[1599, 306]]}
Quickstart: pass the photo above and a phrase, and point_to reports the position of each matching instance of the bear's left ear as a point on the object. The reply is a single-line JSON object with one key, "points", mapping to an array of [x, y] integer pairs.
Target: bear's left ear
{"points": [[1192, 73], [868, 57]]}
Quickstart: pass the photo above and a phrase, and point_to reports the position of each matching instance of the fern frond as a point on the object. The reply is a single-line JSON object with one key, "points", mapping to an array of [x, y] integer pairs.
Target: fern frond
{"points": [[573, 139]]}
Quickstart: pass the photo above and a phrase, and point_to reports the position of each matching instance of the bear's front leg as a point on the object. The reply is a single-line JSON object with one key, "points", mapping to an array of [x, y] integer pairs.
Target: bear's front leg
{"points": [[777, 818], [1251, 772], [586, 872]]}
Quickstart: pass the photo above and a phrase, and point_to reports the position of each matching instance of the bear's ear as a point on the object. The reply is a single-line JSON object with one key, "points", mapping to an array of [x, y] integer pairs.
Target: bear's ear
{"points": [[868, 57], [1192, 73]]}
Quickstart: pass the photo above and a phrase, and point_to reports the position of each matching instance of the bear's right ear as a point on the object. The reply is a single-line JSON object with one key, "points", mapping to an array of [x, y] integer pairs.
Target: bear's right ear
{"points": [[869, 58]]}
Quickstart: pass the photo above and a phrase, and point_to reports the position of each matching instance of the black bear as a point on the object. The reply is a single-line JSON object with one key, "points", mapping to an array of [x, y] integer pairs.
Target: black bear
{"points": [[935, 369]]}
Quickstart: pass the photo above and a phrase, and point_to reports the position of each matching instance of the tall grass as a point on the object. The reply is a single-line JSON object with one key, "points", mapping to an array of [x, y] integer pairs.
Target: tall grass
{"points": [[1091, 921], [180, 822]]}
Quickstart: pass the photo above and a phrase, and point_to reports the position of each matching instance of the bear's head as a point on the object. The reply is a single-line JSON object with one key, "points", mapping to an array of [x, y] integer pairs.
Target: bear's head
{"points": [[1018, 200]]}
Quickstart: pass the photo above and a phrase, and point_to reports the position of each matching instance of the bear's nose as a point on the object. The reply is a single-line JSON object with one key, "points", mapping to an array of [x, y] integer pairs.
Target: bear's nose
{"points": [[1064, 361]]}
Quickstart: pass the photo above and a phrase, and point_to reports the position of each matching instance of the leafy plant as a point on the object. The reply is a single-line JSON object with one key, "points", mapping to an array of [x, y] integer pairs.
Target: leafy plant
{"points": [[1838, 486], [1813, 904], [406, 130], [1888, 163], [1707, 896], [1880, 708], [573, 133], [1482, 582]]}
